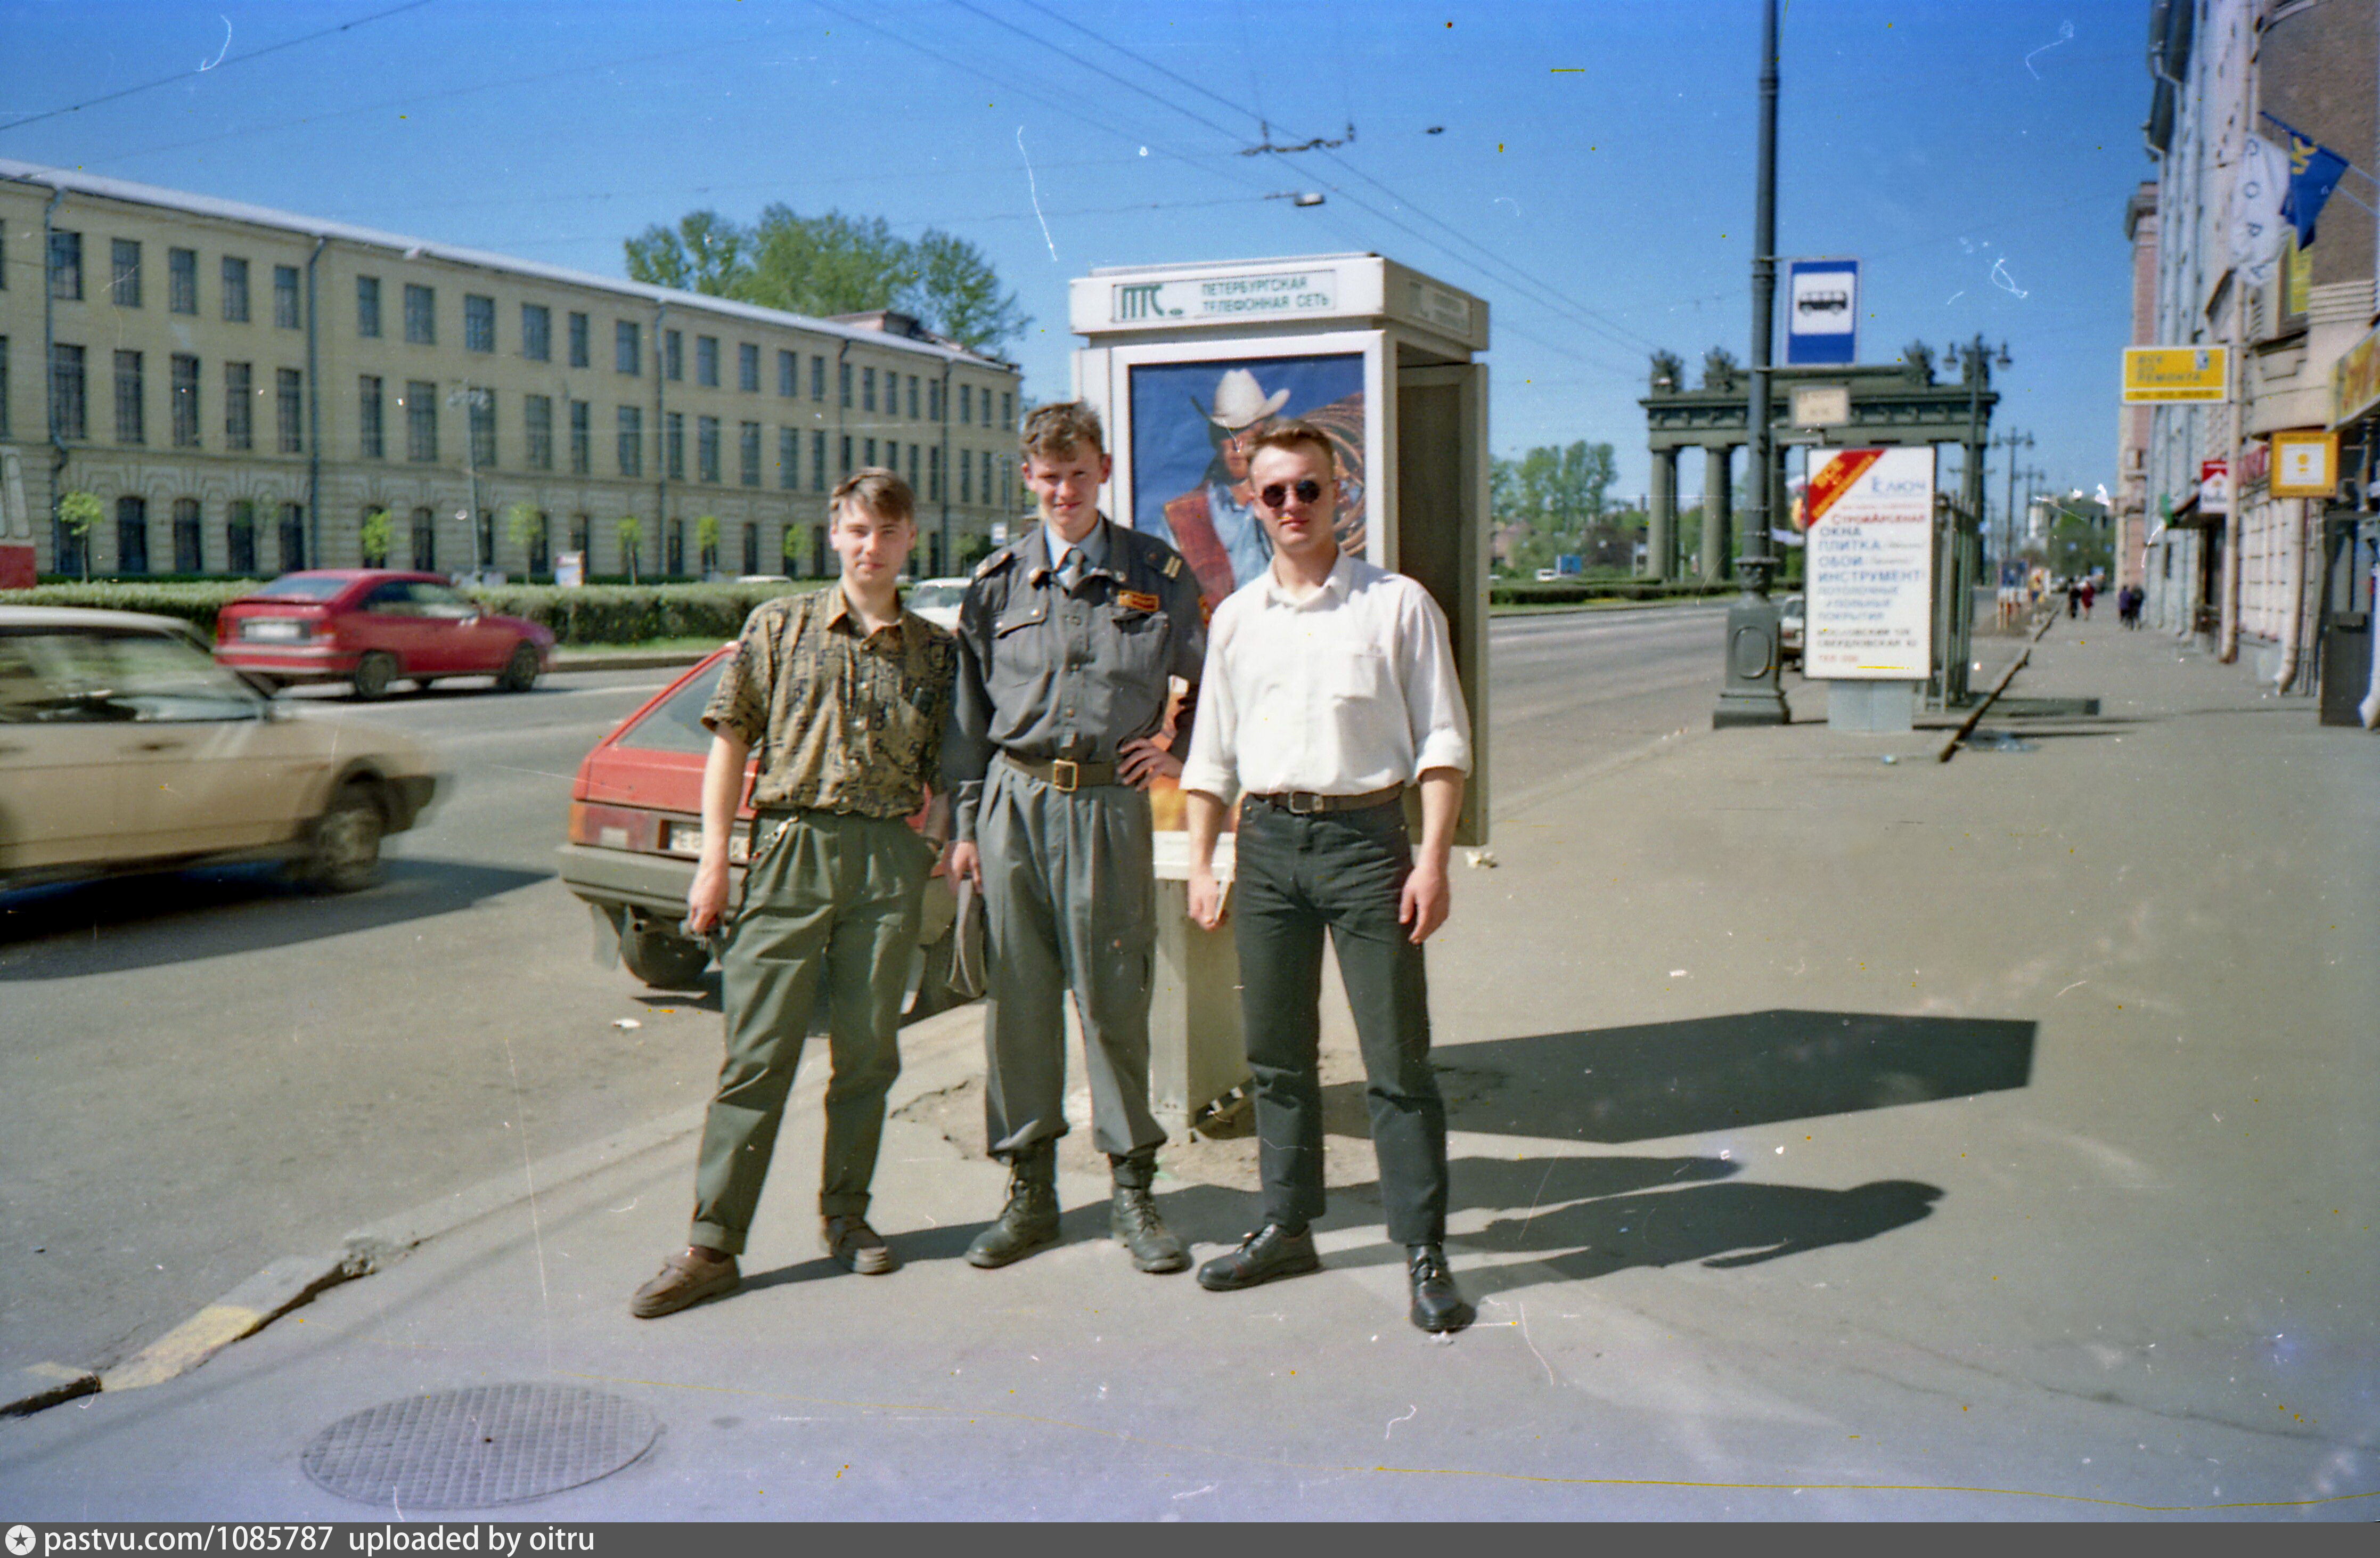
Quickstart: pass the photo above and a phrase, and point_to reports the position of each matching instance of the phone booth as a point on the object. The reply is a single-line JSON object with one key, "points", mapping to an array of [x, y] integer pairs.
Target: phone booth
{"points": [[1187, 365]]}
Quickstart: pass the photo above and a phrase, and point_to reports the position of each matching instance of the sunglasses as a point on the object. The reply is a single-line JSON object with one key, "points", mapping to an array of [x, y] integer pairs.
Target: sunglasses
{"points": [[1273, 496]]}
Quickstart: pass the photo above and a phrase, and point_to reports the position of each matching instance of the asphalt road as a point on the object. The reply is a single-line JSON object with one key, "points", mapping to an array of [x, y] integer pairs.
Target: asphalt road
{"points": [[201, 1074]]}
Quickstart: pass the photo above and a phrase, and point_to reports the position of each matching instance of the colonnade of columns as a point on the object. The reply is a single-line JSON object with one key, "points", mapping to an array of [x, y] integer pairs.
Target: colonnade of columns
{"points": [[1665, 552]]}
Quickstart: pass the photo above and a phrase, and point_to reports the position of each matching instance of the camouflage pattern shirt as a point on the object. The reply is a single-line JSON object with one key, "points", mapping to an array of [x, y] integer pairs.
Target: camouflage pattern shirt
{"points": [[845, 720]]}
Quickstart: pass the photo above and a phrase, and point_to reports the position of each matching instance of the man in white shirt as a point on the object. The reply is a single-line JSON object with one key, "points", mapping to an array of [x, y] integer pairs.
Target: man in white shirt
{"points": [[1329, 688]]}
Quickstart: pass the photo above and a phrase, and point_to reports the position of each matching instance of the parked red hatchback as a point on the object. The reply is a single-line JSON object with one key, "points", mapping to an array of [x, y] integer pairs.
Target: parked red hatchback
{"points": [[372, 627], [635, 831]]}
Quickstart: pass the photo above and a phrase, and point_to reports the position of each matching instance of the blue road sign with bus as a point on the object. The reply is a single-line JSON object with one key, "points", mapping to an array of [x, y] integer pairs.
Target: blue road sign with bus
{"points": [[1821, 310]]}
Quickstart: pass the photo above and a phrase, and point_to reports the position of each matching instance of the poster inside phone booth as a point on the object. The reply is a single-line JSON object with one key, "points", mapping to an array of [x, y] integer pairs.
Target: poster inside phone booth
{"points": [[1189, 364]]}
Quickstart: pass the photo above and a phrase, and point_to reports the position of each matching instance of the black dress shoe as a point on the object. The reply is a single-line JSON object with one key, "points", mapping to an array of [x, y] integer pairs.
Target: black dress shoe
{"points": [[1437, 1305], [1272, 1252]]}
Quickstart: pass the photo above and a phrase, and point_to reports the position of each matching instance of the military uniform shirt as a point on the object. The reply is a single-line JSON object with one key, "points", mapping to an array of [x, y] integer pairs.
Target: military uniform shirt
{"points": [[847, 720], [1046, 674]]}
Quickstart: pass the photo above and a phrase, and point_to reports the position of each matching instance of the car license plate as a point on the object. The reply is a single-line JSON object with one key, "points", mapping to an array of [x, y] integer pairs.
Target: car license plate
{"points": [[281, 630]]}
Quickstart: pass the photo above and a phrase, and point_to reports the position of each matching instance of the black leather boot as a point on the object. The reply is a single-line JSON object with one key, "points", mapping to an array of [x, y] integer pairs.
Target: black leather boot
{"points": [[1029, 1221], [1437, 1304], [1132, 1221]]}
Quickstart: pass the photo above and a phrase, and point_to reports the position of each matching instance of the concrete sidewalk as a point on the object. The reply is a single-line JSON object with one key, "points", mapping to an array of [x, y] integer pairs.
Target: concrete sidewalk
{"points": [[1833, 1139]]}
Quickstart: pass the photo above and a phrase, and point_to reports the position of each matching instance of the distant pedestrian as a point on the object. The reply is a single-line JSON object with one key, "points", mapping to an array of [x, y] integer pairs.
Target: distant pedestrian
{"points": [[2090, 593], [2073, 598], [1330, 690], [846, 694]]}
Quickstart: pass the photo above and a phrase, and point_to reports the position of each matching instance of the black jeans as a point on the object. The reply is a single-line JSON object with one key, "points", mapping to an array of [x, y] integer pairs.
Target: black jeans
{"points": [[1297, 876]]}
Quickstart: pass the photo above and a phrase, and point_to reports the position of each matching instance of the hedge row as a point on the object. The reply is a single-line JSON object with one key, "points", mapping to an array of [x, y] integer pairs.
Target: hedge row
{"points": [[1573, 590], [623, 614], [595, 613]]}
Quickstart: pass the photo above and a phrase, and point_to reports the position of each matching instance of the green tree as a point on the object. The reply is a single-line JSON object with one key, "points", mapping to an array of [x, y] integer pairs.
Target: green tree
{"points": [[521, 524], [832, 264], [1560, 495], [705, 252], [378, 533], [78, 512], [632, 541]]}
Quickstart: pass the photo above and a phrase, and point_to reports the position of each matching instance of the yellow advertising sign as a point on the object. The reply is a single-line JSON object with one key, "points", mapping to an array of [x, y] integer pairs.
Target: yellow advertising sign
{"points": [[2305, 464], [2355, 382], [2171, 373]]}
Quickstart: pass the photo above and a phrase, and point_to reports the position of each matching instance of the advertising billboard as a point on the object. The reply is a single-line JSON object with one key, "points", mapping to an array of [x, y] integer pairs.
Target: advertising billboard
{"points": [[1192, 428], [2162, 376], [1870, 568]]}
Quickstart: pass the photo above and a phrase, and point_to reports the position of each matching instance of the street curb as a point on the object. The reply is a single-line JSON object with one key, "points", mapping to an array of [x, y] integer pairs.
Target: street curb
{"points": [[941, 1052], [37, 1385], [243, 1311], [1572, 608]]}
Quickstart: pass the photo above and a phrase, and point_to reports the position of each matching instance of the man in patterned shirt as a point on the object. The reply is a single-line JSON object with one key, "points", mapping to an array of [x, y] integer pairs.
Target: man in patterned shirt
{"points": [[845, 693]]}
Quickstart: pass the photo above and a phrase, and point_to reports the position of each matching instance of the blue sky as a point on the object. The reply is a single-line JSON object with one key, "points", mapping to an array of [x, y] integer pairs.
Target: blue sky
{"points": [[1587, 167]]}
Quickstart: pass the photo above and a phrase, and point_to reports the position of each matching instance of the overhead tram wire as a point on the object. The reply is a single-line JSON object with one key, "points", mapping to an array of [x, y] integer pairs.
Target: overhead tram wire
{"points": [[1550, 295], [221, 65], [1073, 111], [1617, 337]]}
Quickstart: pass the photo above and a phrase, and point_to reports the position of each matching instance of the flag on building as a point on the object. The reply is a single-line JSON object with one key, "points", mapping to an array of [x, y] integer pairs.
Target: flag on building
{"points": [[2314, 172]]}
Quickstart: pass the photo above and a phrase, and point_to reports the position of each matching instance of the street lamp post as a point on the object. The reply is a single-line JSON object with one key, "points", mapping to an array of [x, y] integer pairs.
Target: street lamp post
{"points": [[471, 399], [1753, 695], [2012, 442]]}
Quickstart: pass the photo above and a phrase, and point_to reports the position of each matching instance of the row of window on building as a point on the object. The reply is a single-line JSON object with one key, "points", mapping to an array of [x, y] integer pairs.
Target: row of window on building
{"points": [[242, 387], [239, 551], [976, 404], [978, 471], [245, 545], [125, 280]]}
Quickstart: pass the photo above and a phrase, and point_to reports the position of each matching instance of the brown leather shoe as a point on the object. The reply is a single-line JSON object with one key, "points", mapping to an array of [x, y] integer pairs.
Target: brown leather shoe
{"points": [[685, 1279], [855, 1247]]}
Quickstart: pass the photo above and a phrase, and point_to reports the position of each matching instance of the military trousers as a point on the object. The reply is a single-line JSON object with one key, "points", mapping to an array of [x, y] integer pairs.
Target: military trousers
{"points": [[1342, 872], [1069, 903], [831, 894]]}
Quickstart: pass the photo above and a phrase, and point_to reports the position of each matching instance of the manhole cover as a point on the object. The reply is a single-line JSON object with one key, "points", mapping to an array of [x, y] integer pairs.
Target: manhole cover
{"points": [[469, 1449]]}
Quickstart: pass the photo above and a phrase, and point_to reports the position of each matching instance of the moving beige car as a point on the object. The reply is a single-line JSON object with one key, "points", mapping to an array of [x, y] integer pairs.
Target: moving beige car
{"points": [[125, 747]]}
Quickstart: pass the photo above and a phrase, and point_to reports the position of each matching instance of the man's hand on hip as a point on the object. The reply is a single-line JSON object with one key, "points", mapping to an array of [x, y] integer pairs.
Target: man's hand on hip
{"points": [[1139, 761]]}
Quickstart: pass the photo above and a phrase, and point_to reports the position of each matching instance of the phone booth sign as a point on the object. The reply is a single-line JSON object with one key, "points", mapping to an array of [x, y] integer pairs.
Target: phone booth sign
{"points": [[1187, 365]]}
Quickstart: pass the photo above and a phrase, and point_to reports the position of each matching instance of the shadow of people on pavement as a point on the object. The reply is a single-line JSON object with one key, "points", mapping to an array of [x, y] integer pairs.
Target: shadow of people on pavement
{"points": [[1654, 1081], [1720, 1226]]}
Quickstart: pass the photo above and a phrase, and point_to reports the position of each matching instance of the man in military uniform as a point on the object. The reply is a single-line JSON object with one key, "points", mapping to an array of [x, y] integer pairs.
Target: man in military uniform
{"points": [[1066, 642], [847, 695]]}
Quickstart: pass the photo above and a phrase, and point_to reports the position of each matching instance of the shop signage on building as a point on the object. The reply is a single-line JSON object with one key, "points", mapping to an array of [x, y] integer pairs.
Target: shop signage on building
{"points": [[2215, 486], [1870, 567], [2355, 381], [2305, 464], [2177, 374]]}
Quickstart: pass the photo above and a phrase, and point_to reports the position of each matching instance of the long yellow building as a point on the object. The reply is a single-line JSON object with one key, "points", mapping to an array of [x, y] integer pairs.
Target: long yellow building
{"points": [[241, 387]]}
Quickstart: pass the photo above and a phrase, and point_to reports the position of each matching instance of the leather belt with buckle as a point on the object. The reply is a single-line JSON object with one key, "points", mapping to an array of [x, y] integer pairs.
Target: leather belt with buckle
{"points": [[1064, 774], [1304, 803]]}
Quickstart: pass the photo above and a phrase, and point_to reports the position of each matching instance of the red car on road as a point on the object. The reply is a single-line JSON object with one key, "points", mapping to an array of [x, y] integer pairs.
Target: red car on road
{"points": [[372, 626], [635, 831]]}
